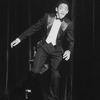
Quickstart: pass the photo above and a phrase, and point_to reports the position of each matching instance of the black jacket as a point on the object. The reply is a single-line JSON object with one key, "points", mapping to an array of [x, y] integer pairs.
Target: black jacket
{"points": [[47, 21]]}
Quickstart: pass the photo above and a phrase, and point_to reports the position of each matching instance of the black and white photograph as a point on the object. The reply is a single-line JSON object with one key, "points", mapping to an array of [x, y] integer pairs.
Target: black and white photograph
{"points": [[46, 50]]}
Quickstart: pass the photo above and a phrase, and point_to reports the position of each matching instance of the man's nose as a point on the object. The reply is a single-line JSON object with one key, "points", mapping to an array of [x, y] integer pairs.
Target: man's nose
{"points": [[62, 11]]}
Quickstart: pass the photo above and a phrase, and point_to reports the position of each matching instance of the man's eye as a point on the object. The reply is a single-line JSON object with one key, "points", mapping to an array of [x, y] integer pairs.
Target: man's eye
{"points": [[60, 7]]}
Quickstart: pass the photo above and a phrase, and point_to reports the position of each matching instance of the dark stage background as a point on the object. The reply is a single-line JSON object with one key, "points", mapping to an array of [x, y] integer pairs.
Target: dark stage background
{"points": [[15, 17]]}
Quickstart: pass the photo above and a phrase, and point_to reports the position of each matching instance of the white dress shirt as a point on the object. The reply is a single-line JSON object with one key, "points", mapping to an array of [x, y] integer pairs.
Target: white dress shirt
{"points": [[53, 32]]}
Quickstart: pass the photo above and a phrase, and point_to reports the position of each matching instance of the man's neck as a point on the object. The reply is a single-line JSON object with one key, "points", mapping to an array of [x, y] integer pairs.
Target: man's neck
{"points": [[57, 16]]}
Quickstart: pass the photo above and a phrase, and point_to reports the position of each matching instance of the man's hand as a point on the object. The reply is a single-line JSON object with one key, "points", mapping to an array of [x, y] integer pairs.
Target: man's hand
{"points": [[66, 55], [15, 42]]}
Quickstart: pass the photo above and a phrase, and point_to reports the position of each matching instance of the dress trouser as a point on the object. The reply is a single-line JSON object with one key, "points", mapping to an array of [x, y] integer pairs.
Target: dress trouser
{"points": [[55, 53]]}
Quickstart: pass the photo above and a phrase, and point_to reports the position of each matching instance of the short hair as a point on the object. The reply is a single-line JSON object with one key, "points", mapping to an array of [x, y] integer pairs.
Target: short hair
{"points": [[62, 1]]}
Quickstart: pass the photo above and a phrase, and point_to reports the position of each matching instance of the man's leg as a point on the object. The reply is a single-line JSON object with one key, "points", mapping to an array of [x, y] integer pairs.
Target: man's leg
{"points": [[39, 60], [54, 84]]}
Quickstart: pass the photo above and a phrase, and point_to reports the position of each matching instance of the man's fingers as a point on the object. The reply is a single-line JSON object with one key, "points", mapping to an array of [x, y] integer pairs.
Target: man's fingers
{"points": [[64, 56], [67, 58], [13, 44]]}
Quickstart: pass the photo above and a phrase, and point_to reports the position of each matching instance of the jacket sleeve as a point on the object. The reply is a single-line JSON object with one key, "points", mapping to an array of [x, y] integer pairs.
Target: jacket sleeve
{"points": [[70, 36], [31, 30]]}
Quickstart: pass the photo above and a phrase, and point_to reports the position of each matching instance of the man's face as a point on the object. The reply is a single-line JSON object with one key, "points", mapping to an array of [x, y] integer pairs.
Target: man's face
{"points": [[62, 10]]}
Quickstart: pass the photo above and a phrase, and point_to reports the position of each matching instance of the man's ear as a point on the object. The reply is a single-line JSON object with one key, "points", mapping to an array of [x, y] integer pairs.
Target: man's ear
{"points": [[56, 9], [67, 11]]}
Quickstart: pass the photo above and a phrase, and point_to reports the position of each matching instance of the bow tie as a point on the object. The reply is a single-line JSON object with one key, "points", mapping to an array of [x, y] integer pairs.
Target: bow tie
{"points": [[59, 19]]}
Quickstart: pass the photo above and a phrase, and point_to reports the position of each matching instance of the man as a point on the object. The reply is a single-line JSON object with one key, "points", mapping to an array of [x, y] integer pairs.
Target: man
{"points": [[57, 28]]}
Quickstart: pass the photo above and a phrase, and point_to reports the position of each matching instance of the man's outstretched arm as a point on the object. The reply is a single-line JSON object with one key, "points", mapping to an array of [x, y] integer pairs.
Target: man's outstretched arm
{"points": [[30, 31]]}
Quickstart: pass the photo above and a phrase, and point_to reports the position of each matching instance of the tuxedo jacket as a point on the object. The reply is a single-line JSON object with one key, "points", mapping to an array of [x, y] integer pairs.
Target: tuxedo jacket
{"points": [[65, 30]]}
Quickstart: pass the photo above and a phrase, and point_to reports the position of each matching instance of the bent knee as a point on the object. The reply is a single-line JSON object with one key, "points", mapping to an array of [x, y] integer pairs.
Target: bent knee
{"points": [[35, 71]]}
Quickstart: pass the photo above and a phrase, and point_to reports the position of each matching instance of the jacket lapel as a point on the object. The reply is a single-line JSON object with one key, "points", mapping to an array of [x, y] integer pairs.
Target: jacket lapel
{"points": [[63, 27], [50, 21]]}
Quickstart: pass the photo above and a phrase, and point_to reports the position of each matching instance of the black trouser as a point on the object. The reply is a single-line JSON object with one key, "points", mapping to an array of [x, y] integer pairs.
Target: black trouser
{"points": [[55, 53]]}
